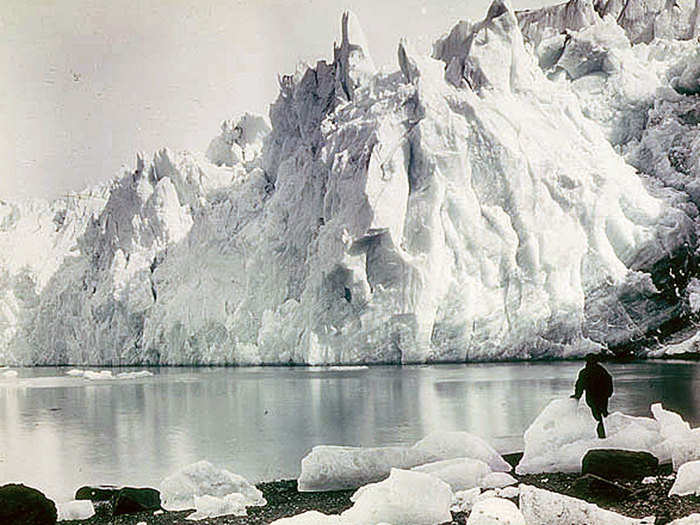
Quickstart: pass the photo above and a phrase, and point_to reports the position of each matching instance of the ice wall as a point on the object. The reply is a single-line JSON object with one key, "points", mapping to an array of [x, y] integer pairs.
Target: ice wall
{"points": [[482, 203]]}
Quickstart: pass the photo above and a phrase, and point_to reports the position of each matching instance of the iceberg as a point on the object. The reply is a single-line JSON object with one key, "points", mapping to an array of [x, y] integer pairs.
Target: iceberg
{"points": [[75, 510], [225, 491], [459, 474], [527, 191], [211, 506], [495, 511], [543, 506], [335, 468], [564, 431], [687, 480], [411, 498]]}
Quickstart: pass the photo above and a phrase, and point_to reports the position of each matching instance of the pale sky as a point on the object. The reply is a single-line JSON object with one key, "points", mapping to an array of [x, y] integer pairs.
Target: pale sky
{"points": [[85, 84]]}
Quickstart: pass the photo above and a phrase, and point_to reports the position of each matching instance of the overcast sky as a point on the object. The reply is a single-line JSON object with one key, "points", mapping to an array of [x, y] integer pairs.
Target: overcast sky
{"points": [[85, 84]]}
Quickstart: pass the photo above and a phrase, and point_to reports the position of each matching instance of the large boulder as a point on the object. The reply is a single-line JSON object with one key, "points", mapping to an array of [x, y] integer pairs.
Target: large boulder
{"points": [[21, 505], [130, 500], [619, 464], [96, 493]]}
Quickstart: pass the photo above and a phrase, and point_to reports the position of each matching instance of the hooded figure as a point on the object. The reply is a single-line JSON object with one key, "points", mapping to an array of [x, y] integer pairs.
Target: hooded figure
{"points": [[597, 383]]}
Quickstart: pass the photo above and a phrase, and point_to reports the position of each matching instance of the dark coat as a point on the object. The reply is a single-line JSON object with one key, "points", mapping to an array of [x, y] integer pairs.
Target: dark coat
{"points": [[597, 383]]}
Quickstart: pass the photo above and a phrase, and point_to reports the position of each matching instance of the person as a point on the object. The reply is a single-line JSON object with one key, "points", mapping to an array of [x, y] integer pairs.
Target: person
{"points": [[598, 385]]}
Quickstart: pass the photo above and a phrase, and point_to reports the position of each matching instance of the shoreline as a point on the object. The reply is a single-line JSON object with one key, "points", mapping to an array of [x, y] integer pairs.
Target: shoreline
{"points": [[284, 500]]}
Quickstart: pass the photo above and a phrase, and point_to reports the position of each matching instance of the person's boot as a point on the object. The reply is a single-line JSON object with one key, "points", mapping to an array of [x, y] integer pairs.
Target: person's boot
{"points": [[601, 430]]}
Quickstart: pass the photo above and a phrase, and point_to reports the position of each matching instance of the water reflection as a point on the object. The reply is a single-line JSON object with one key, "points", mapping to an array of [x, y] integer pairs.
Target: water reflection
{"points": [[58, 432]]}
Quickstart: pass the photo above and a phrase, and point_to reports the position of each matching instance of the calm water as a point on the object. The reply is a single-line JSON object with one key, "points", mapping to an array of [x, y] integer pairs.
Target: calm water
{"points": [[58, 432]]}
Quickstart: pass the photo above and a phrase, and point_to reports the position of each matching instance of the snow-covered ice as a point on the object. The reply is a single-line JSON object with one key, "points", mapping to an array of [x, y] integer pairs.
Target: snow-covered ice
{"points": [[405, 497], [543, 506], [497, 480], [453, 445], [508, 492], [564, 431], [208, 506], [495, 511], [464, 500], [311, 517], [335, 467], [687, 480], [75, 510], [459, 474], [550, 175], [180, 490]]}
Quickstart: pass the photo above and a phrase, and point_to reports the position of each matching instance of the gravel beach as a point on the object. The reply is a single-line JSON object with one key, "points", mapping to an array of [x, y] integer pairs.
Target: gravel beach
{"points": [[284, 500]]}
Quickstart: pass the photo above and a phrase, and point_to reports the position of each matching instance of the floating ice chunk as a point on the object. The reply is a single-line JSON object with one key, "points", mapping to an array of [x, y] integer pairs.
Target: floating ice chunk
{"points": [[459, 474], [311, 517], [341, 368], [649, 480], [75, 510], [464, 500], [75, 372], [409, 498], [450, 445], [10, 374], [178, 491], [495, 511], [543, 506], [497, 480], [565, 430], [687, 480], [211, 506], [102, 375], [133, 375]]}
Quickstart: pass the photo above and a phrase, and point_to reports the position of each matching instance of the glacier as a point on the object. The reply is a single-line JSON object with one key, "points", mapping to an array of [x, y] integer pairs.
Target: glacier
{"points": [[530, 190]]}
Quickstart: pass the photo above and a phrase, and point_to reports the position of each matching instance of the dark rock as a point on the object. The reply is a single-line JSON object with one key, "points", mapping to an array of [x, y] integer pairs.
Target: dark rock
{"points": [[98, 493], [513, 458], [619, 464], [130, 500], [594, 488], [20, 505]]}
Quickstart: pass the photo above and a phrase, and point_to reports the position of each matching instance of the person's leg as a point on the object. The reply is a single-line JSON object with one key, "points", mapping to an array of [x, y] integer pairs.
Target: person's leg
{"points": [[597, 415], [604, 407]]}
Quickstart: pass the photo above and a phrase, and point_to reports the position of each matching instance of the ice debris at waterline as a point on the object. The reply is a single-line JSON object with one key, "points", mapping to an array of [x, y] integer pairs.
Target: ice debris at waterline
{"points": [[210, 490], [521, 193], [404, 497], [75, 510], [564, 431], [334, 467], [107, 375], [542, 506], [688, 480]]}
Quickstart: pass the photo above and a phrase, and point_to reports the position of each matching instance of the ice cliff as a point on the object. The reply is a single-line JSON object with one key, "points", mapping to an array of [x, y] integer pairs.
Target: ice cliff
{"points": [[529, 190]]}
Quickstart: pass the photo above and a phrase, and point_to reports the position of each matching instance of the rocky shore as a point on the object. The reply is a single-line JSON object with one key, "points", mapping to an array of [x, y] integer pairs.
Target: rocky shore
{"points": [[640, 498]]}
